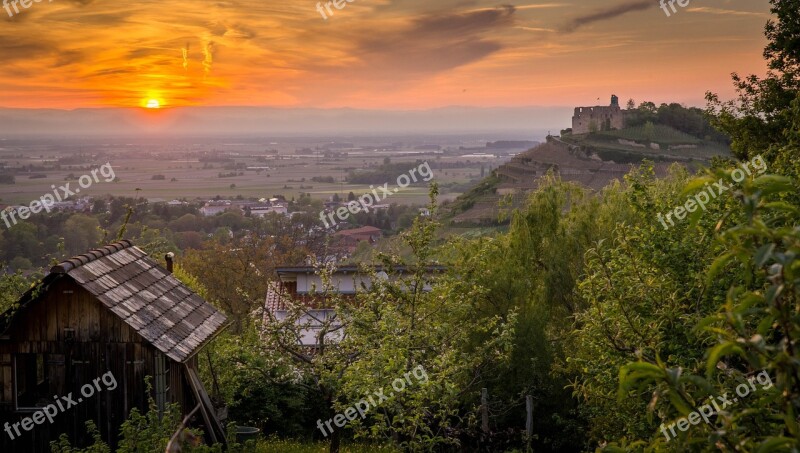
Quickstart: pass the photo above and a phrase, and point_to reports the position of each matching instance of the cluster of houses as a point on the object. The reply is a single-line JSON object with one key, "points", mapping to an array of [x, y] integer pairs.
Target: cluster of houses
{"points": [[77, 205], [258, 208]]}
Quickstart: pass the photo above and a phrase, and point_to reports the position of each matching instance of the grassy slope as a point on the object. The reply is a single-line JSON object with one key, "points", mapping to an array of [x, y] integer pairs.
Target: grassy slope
{"points": [[606, 145], [485, 189]]}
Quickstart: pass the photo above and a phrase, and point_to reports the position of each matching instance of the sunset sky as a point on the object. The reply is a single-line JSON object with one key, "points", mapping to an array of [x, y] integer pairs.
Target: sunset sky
{"points": [[373, 54]]}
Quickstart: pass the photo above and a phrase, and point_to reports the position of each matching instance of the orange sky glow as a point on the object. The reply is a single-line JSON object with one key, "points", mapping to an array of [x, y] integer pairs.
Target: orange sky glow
{"points": [[373, 54]]}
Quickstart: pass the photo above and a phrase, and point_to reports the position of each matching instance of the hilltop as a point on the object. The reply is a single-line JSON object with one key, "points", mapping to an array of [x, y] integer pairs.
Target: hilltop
{"points": [[594, 152]]}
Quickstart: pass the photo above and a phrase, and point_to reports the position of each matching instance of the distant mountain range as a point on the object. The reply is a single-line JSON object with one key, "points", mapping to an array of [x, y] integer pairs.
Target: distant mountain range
{"points": [[520, 122]]}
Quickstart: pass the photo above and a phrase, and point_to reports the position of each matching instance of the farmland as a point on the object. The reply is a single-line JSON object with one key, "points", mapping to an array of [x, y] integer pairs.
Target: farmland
{"points": [[248, 168]]}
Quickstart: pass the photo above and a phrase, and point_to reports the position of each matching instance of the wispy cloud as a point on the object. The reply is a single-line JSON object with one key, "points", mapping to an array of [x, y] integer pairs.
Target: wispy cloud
{"points": [[610, 12], [725, 12]]}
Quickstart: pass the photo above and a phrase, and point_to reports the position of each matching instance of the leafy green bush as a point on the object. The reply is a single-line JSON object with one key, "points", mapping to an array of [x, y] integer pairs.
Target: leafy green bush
{"points": [[62, 445], [754, 330]]}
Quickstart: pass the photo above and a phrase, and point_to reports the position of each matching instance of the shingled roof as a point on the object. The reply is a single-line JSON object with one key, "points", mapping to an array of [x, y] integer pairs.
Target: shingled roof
{"points": [[145, 296]]}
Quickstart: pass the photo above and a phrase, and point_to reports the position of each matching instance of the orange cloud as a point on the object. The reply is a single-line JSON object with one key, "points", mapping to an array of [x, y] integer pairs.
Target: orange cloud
{"points": [[373, 54]]}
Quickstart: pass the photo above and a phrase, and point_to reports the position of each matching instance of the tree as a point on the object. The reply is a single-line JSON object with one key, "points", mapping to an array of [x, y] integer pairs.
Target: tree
{"points": [[533, 270], [234, 220], [187, 222], [189, 240], [22, 240], [20, 263], [631, 104], [759, 118], [416, 329], [12, 286], [243, 267], [155, 243], [81, 233], [427, 331], [750, 334], [649, 131], [99, 206]]}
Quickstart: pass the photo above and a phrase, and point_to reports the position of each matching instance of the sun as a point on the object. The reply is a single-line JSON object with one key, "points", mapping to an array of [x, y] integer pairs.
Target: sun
{"points": [[153, 104]]}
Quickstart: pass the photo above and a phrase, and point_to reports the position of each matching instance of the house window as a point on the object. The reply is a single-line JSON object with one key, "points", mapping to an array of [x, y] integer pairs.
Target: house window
{"points": [[37, 377]]}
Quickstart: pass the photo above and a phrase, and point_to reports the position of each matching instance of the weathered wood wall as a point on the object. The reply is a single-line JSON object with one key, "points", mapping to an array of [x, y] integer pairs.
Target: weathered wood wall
{"points": [[102, 343]]}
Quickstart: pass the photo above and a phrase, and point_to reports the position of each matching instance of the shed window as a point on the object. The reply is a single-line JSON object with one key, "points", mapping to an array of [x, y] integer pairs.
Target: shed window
{"points": [[37, 377]]}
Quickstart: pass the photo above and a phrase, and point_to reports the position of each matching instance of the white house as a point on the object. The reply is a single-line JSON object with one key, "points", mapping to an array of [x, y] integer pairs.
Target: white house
{"points": [[304, 284]]}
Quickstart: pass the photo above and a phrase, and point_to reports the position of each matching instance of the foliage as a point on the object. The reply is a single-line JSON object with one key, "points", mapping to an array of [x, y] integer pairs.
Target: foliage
{"points": [[290, 446], [643, 287], [237, 273], [62, 445], [752, 331], [151, 432], [154, 243], [12, 287], [532, 270], [250, 379], [691, 122], [427, 331], [762, 115]]}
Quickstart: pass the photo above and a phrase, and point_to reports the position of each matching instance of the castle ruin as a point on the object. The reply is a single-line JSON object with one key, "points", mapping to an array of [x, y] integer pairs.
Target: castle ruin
{"points": [[600, 118]]}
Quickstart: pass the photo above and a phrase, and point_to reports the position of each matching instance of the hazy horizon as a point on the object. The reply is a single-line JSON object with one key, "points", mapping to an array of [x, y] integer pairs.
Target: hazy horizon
{"points": [[220, 120]]}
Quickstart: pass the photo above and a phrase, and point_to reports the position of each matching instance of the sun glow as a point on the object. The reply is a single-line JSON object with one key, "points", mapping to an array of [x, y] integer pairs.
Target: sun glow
{"points": [[153, 104]]}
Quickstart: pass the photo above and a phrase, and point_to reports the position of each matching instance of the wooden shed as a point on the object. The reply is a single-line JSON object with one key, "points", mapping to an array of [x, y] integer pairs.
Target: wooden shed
{"points": [[112, 314]]}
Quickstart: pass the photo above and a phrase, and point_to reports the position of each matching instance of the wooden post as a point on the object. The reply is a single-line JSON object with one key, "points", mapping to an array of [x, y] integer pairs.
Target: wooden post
{"points": [[485, 413], [529, 419]]}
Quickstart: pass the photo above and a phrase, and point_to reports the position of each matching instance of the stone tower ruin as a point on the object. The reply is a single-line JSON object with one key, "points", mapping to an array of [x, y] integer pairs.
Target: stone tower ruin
{"points": [[600, 118]]}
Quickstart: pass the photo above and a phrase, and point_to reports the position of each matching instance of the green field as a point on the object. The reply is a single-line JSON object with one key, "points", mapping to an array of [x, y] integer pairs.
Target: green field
{"points": [[288, 176]]}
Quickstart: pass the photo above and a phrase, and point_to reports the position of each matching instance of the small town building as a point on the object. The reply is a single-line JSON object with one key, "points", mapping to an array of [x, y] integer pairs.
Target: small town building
{"points": [[303, 285]]}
